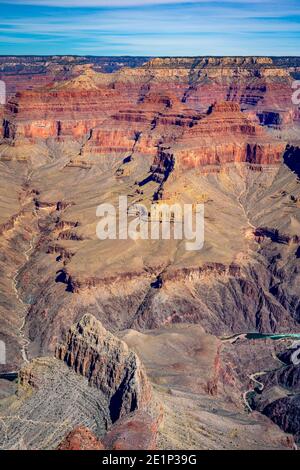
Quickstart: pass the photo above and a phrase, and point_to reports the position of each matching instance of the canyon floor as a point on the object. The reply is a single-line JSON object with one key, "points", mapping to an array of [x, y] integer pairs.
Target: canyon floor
{"points": [[143, 344]]}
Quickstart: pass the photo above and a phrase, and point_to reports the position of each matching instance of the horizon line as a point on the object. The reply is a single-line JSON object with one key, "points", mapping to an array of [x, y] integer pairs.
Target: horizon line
{"points": [[152, 56]]}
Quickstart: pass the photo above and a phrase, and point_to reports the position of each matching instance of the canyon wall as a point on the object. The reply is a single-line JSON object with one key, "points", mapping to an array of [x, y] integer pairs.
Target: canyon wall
{"points": [[109, 366]]}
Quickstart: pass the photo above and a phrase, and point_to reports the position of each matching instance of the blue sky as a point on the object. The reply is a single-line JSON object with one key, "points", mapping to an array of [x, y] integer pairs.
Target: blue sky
{"points": [[150, 27]]}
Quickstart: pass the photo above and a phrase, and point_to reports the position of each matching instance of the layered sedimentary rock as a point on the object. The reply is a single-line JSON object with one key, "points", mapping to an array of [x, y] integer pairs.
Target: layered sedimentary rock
{"points": [[108, 364], [226, 135], [132, 112], [51, 401], [29, 72], [108, 384], [196, 83]]}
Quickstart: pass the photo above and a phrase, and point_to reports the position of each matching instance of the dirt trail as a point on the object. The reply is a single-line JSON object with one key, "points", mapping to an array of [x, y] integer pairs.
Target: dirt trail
{"points": [[242, 206], [258, 384], [24, 341], [27, 253]]}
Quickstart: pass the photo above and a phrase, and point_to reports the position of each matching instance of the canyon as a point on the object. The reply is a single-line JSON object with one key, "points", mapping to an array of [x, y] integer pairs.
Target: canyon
{"points": [[128, 339]]}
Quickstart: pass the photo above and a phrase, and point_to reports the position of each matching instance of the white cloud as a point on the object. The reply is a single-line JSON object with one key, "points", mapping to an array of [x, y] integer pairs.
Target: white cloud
{"points": [[215, 27], [117, 23], [117, 3]]}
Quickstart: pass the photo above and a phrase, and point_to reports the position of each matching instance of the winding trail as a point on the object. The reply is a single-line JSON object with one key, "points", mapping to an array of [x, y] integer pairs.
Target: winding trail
{"points": [[256, 336], [27, 253], [258, 384], [295, 357], [239, 199], [24, 340]]}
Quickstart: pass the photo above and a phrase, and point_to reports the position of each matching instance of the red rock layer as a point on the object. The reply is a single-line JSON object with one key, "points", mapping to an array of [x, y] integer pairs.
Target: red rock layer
{"points": [[163, 105], [81, 438], [255, 83], [138, 431], [226, 135], [135, 432]]}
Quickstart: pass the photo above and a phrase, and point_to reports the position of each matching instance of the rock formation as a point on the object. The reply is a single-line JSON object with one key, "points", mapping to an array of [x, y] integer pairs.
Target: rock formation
{"points": [[51, 401], [108, 384], [279, 397], [80, 438], [225, 136], [109, 366]]}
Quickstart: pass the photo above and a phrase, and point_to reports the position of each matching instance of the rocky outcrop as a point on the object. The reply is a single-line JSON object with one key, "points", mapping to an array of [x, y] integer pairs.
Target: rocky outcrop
{"points": [[9, 225], [262, 233], [63, 254], [292, 159], [108, 364], [51, 401], [225, 136], [94, 382], [81, 438], [137, 431], [77, 285], [285, 412]]}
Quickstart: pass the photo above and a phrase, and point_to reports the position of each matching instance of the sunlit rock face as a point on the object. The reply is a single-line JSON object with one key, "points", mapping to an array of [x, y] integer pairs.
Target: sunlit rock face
{"points": [[262, 85], [80, 438], [222, 132], [108, 364]]}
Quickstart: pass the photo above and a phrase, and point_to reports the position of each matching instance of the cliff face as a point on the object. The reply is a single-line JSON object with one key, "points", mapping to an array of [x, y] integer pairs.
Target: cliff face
{"points": [[111, 392], [225, 135], [280, 398], [108, 364], [52, 401], [30, 72], [138, 100], [285, 412]]}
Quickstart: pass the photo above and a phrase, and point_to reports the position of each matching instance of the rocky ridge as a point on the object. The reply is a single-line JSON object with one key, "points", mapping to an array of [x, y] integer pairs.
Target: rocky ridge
{"points": [[108, 384], [109, 366]]}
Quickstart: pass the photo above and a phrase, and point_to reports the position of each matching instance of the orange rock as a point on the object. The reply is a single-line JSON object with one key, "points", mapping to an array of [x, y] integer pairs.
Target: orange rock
{"points": [[81, 438], [137, 431]]}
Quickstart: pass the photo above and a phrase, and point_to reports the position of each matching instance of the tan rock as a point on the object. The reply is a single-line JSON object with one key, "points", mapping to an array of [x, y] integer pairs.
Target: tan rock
{"points": [[108, 364]]}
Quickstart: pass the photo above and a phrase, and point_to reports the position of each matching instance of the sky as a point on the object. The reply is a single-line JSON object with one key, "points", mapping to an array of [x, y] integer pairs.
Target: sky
{"points": [[150, 27]]}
